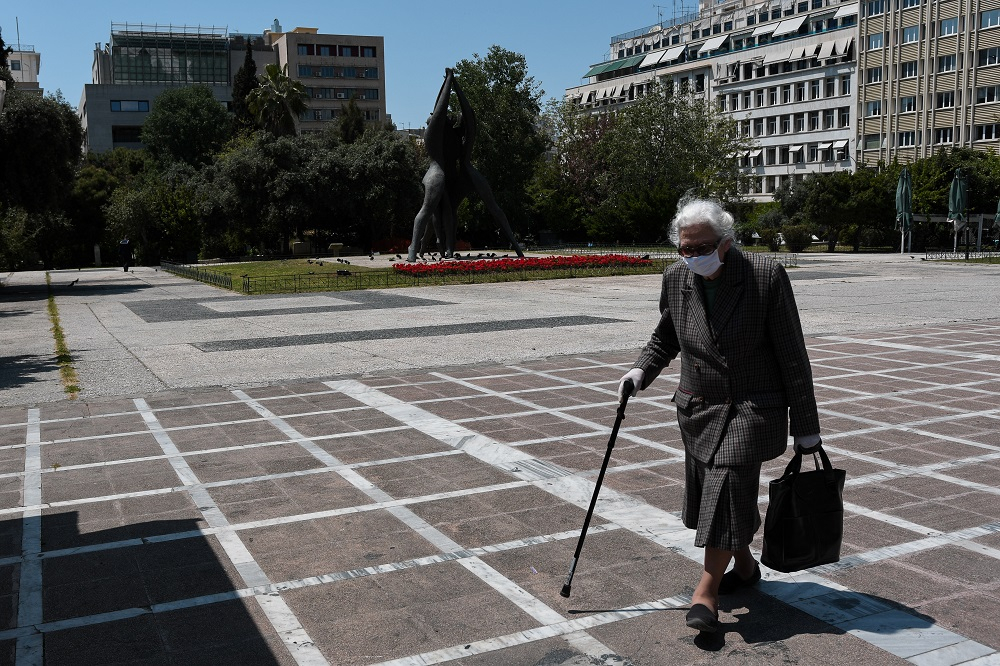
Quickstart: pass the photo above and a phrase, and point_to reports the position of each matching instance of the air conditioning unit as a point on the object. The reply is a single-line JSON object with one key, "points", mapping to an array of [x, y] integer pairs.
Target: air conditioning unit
{"points": [[341, 95]]}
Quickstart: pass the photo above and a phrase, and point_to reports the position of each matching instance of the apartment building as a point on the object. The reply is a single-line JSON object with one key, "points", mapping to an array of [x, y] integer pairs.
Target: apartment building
{"points": [[929, 75], [785, 71], [334, 69], [141, 61]]}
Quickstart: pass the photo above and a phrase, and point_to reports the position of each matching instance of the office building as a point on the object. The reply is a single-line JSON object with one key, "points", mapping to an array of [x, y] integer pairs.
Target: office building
{"points": [[334, 69], [929, 77], [821, 85], [141, 61]]}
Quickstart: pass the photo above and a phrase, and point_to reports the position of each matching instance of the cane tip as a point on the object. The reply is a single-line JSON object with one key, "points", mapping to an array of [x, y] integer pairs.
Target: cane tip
{"points": [[565, 591]]}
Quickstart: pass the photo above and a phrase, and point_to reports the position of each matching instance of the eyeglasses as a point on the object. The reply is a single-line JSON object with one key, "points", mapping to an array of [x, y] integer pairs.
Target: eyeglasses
{"points": [[697, 250]]}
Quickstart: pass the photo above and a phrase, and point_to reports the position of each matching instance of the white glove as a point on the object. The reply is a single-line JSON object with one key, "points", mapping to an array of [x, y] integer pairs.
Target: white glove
{"points": [[636, 375], [807, 444]]}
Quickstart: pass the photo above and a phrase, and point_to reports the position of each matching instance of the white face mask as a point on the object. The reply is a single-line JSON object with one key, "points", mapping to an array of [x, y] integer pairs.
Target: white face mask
{"points": [[704, 266]]}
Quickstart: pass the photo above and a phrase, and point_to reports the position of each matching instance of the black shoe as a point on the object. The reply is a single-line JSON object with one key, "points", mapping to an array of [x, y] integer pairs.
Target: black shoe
{"points": [[702, 618], [732, 581]]}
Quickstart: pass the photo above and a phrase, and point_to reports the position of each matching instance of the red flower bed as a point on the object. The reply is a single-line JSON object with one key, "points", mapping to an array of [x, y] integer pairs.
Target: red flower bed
{"points": [[516, 264]]}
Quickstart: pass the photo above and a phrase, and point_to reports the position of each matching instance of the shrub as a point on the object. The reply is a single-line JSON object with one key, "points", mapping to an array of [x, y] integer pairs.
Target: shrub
{"points": [[797, 237]]}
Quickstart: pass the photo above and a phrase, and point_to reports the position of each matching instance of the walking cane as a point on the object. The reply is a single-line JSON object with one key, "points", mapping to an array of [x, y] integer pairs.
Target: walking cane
{"points": [[629, 387]]}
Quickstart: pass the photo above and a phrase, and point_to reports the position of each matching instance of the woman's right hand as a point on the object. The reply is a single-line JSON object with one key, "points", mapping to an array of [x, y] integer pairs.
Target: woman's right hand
{"points": [[636, 375]]}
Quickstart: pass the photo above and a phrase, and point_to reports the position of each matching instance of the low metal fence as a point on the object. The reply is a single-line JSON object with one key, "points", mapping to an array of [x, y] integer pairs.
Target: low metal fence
{"points": [[199, 274], [992, 255]]}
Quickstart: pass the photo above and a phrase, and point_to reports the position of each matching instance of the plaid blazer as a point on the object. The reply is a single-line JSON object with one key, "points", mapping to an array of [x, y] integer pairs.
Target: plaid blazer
{"points": [[745, 372]]}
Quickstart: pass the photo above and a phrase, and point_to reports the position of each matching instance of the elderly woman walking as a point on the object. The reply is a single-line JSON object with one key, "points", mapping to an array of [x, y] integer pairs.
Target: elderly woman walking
{"points": [[745, 383]]}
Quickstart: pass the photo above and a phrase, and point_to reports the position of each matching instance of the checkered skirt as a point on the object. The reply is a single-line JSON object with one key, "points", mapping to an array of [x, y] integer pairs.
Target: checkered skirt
{"points": [[720, 502]]}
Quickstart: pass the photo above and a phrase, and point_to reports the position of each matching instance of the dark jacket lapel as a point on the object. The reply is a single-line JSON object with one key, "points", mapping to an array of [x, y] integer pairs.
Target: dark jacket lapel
{"points": [[730, 292]]}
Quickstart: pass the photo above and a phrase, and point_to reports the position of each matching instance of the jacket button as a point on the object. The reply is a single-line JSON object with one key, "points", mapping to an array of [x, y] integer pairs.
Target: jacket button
{"points": [[728, 401]]}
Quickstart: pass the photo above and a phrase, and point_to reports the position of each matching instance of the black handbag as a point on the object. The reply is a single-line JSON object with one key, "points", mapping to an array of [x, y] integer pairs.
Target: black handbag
{"points": [[804, 524]]}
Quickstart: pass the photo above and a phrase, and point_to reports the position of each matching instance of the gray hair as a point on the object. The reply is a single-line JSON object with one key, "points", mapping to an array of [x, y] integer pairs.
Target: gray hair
{"points": [[691, 212]]}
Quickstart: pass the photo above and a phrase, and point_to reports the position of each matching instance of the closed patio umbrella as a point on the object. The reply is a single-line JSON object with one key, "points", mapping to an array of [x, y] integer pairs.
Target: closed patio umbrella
{"points": [[904, 206], [957, 199]]}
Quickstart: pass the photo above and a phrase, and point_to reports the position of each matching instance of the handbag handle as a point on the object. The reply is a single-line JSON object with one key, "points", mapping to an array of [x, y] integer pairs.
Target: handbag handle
{"points": [[795, 464]]}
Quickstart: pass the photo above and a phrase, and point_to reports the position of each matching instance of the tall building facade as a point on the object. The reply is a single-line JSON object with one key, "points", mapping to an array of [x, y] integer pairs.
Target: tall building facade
{"points": [[930, 77], [334, 69], [821, 85], [141, 61]]}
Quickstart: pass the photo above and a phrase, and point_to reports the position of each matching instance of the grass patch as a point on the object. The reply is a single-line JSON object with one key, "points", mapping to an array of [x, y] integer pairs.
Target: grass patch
{"points": [[63, 358], [293, 276]]}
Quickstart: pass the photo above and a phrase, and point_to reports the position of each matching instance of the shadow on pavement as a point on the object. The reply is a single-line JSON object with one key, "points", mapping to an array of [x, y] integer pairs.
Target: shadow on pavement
{"points": [[154, 592], [40, 292], [21, 370]]}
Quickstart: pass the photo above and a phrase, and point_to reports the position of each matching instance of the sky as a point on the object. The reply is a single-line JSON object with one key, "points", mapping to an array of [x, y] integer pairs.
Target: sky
{"points": [[560, 40]]}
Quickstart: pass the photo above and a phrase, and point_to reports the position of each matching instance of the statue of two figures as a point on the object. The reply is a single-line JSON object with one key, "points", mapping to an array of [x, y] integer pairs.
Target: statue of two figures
{"points": [[451, 177]]}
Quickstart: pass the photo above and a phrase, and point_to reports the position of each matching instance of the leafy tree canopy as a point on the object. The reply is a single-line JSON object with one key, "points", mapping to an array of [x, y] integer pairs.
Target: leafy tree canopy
{"points": [[186, 124]]}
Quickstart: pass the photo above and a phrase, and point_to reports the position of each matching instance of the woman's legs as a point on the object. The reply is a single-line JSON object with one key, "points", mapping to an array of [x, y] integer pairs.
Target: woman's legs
{"points": [[716, 562]]}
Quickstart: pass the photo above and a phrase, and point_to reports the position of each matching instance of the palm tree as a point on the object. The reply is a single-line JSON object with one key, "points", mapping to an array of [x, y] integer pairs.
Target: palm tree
{"points": [[278, 102]]}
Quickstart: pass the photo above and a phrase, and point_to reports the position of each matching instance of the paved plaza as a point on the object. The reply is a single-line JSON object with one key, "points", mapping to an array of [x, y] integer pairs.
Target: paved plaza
{"points": [[400, 476]]}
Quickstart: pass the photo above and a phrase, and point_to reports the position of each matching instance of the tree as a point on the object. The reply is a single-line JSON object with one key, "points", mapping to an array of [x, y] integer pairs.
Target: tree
{"points": [[630, 168], [352, 122], [244, 83], [5, 74], [186, 124], [278, 102], [41, 142], [507, 103]]}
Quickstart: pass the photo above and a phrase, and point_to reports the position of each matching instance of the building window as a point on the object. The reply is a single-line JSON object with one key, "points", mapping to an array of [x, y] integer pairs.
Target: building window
{"points": [[126, 133], [873, 108], [946, 63], [348, 51], [875, 41], [910, 3], [873, 75], [831, 87], [829, 117], [786, 124], [722, 103], [129, 105], [305, 70], [845, 84], [758, 127], [771, 156], [946, 100], [370, 93], [987, 95], [772, 96], [746, 98], [907, 104], [989, 19], [875, 7], [987, 132], [760, 97], [772, 125], [845, 116], [306, 49], [813, 153], [873, 141], [367, 51], [327, 72], [908, 70], [813, 121], [948, 27], [370, 72], [814, 89], [786, 94], [800, 122], [783, 155], [944, 135], [327, 51], [15, 65], [911, 34], [800, 92], [989, 56]]}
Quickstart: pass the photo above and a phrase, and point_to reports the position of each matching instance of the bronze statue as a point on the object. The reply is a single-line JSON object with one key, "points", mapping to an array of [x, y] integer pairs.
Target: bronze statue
{"points": [[451, 175]]}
